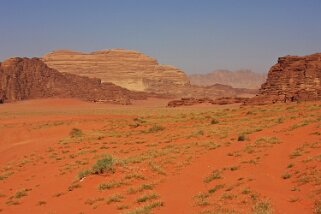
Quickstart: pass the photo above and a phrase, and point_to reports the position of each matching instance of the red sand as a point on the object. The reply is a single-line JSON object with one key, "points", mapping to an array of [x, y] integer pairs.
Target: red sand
{"points": [[176, 160]]}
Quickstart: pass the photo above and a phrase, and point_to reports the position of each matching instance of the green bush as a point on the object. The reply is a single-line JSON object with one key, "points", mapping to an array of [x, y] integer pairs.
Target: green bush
{"points": [[83, 174], [103, 165]]}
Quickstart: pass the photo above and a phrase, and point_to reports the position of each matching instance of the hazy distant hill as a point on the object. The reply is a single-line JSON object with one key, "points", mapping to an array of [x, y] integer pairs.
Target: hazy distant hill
{"points": [[236, 79]]}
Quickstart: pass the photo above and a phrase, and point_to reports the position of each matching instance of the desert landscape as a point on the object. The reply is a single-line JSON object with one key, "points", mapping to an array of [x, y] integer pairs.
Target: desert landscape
{"points": [[116, 130]]}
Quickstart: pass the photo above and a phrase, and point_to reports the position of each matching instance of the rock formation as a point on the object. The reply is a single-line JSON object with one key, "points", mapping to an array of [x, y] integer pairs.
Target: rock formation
{"points": [[236, 79], [136, 71], [24, 78], [188, 102], [213, 91], [126, 68], [195, 101], [293, 78]]}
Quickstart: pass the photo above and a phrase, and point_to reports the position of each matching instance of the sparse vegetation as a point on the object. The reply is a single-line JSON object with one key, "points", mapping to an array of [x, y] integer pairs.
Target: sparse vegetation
{"points": [[83, 173], [217, 187], [75, 133], [201, 199], [105, 164], [147, 153], [40, 203], [114, 198], [317, 207], [147, 197], [21, 193], [216, 174], [263, 207], [241, 137], [155, 128], [157, 168], [146, 209], [286, 175], [140, 188], [110, 185], [214, 121], [74, 186]]}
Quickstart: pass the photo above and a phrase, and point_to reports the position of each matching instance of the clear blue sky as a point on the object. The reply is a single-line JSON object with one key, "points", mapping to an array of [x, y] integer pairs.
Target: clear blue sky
{"points": [[195, 35]]}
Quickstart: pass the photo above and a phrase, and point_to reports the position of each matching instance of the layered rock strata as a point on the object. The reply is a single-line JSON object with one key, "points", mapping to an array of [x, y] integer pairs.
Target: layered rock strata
{"points": [[24, 78], [292, 79], [126, 68]]}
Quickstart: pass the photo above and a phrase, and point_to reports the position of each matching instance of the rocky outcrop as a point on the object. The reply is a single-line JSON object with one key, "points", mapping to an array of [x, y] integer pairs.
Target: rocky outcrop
{"points": [[188, 102], [126, 68], [230, 100], [292, 79], [236, 79], [24, 78], [214, 91], [136, 71], [195, 101]]}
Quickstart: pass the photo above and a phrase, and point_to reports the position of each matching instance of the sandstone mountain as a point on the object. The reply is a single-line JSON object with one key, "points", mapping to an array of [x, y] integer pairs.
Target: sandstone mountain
{"points": [[293, 78], [237, 79], [126, 68], [136, 71], [24, 78]]}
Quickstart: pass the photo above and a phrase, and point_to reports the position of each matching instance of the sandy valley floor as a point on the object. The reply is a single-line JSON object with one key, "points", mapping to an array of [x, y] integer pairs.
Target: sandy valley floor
{"points": [[68, 156]]}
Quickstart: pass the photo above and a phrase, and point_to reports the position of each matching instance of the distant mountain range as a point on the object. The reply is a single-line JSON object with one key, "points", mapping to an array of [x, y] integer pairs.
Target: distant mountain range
{"points": [[114, 76], [237, 79]]}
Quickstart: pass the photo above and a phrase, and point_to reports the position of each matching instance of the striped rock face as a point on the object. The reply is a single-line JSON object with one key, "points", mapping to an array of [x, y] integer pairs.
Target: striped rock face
{"points": [[24, 78], [126, 68]]}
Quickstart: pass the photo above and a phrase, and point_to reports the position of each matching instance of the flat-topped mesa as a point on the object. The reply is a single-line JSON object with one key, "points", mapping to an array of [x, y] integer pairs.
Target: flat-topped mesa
{"points": [[127, 68], [293, 78], [24, 78]]}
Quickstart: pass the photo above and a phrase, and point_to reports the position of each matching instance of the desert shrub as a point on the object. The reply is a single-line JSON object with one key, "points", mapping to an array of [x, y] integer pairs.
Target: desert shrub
{"points": [[147, 197], [146, 208], [155, 128], [75, 133], [263, 207], [115, 198], [246, 191], [317, 207], [139, 120], [217, 187], [40, 203], [21, 193], [286, 175], [73, 186], [214, 121], [105, 164], [83, 174], [110, 185], [216, 174], [241, 137]]}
